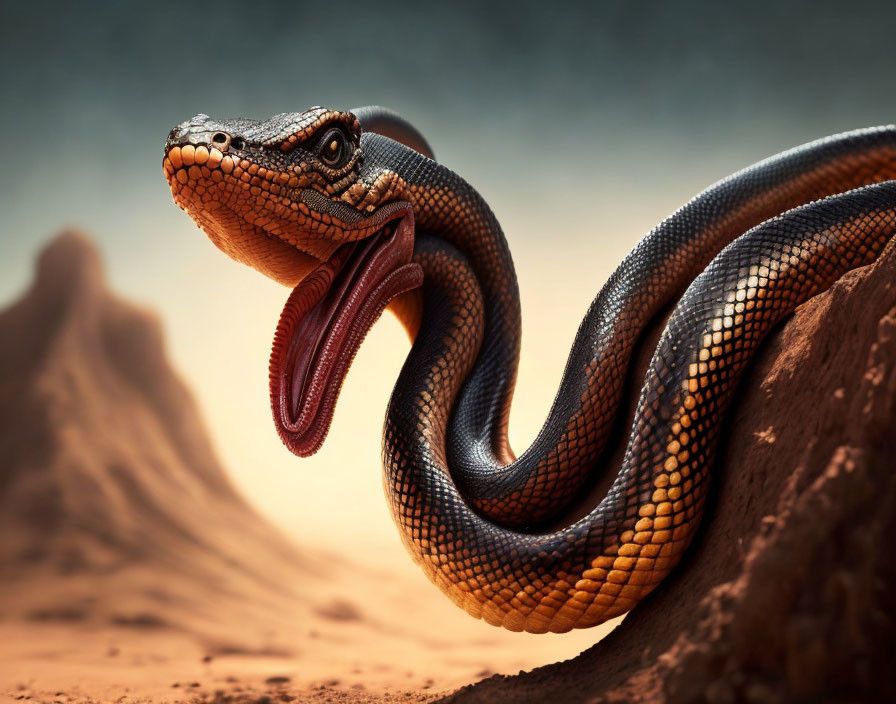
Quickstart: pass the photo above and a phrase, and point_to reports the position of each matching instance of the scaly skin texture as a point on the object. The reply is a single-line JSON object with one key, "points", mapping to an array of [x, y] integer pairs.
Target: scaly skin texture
{"points": [[467, 510]]}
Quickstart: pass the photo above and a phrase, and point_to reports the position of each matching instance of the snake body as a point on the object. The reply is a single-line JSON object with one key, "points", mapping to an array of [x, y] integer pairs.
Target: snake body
{"points": [[738, 259]]}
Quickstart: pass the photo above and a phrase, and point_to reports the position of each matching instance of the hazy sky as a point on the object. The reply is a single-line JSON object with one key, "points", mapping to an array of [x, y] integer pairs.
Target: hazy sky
{"points": [[583, 125]]}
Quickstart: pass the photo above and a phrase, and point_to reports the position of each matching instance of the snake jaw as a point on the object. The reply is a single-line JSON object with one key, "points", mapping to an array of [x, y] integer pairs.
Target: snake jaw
{"points": [[324, 321], [341, 236]]}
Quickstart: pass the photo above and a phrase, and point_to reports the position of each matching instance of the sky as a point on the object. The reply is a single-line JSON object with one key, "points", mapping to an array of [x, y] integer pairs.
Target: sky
{"points": [[582, 124]]}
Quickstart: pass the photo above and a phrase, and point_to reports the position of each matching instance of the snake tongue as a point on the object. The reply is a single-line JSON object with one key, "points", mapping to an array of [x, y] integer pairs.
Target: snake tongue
{"points": [[323, 323]]}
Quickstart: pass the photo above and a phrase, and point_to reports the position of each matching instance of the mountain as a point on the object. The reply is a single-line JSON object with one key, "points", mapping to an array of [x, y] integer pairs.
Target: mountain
{"points": [[113, 506]]}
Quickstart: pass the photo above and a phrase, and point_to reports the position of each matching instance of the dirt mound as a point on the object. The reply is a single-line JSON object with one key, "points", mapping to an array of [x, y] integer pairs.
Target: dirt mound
{"points": [[789, 591]]}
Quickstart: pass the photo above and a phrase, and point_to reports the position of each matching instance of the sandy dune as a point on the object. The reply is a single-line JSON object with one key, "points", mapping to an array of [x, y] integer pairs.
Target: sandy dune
{"points": [[129, 565]]}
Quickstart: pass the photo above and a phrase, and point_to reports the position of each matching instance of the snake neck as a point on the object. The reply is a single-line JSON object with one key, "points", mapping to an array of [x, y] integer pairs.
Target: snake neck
{"points": [[450, 211]]}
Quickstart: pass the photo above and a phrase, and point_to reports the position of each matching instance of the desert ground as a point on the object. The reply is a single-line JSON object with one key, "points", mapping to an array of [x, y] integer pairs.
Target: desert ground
{"points": [[131, 570]]}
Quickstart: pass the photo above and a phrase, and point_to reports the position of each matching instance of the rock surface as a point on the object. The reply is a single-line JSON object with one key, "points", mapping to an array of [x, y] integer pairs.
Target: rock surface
{"points": [[789, 592]]}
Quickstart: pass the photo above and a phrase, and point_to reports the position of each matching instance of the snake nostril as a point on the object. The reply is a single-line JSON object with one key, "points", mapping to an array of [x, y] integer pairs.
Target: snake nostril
{"points": [[222, 140]]}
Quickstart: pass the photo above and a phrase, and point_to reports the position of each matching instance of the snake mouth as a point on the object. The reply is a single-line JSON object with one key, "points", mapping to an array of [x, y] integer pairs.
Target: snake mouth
{"points": [[324, 321]]}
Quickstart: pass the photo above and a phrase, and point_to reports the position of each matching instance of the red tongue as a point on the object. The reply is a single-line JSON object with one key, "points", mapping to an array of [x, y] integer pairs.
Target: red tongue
{"points": [[324, 322]]}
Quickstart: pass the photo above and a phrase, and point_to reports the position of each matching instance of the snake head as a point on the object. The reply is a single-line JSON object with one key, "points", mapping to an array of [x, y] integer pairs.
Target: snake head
{"points": [[293, 198]]}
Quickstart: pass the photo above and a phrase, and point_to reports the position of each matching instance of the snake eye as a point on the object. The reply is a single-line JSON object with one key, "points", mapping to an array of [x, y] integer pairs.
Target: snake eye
{"points": [[333, 150]]}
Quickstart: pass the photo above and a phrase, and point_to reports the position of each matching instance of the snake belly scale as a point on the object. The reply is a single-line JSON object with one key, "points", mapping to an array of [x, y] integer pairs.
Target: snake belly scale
{"points": [[357, 221]]}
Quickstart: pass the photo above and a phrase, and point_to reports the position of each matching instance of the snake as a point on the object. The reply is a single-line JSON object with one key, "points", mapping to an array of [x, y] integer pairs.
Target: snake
{"points": [[352, 212]]}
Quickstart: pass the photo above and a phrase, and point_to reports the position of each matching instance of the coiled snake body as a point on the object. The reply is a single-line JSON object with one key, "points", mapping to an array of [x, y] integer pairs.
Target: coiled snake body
{"points": [[356, 216]]}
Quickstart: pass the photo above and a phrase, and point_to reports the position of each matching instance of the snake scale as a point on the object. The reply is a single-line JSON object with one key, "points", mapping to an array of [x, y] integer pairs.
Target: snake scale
{"points": [[351, 211]]}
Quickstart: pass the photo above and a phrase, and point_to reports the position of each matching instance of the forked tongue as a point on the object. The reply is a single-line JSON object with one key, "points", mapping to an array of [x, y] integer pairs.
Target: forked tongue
{"points": [[323, 323]]}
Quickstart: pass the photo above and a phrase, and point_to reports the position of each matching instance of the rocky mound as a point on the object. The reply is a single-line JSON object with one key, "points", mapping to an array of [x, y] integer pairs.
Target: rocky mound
{"points": [[789, 592]]}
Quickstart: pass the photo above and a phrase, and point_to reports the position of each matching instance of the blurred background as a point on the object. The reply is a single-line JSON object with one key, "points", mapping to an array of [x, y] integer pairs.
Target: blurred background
{"points": [[582, 124]]}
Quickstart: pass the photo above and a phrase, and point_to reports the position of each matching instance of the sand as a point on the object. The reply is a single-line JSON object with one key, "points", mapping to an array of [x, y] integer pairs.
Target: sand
{"points": [[132, 570]]}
